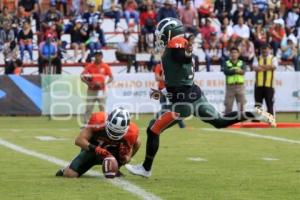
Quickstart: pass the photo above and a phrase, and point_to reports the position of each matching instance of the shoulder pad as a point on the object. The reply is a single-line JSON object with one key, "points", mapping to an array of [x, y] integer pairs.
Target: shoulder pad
{"points": [[132, 134], [97, 120], [177, 43]]}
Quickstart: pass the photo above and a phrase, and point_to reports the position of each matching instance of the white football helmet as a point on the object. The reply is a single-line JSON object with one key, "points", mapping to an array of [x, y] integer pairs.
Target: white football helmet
{"points": [[117, 123]]}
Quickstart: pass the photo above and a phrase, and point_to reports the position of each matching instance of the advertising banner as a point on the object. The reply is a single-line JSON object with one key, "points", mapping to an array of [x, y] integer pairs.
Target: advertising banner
{"points": [[68, 93], [20, 95], [287, 90]]}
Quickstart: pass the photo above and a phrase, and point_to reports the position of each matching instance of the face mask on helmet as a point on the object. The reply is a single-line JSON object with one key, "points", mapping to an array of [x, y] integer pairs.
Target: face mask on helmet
{"points": [[117, 123], [166, 29]]}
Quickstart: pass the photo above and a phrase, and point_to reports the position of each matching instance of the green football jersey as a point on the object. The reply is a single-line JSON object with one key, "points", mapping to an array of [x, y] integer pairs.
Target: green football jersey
{"points": [[178, 69]]}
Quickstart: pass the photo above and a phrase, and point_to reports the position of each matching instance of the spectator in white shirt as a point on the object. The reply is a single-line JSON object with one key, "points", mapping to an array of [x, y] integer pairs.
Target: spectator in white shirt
{"points": [[241, 29], [126, 52], [226, 24], [292, 17]]}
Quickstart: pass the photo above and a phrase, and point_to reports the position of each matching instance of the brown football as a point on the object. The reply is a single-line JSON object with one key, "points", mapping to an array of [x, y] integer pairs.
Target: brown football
{"points": [[110, 167]]}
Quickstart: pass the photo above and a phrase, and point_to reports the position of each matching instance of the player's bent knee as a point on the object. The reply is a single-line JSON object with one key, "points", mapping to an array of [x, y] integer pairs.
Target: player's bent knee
{"points": [[69, 173], [138, 143], [136, 146]]}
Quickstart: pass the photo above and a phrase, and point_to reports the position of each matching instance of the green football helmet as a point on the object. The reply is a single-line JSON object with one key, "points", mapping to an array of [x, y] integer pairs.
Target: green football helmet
{"points": [[166, 29]]}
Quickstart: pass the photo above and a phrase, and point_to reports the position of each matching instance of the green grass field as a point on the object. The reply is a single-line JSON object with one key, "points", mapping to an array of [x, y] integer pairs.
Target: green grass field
{"points": [[228, 165]]}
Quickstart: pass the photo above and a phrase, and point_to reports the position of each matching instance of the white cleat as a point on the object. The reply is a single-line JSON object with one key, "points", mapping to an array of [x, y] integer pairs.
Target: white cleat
{"points": [[138, 170], [265, 117]]}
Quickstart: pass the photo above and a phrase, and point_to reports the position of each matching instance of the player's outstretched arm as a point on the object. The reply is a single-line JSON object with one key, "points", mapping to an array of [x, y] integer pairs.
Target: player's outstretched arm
{"points": [[82, 140]]}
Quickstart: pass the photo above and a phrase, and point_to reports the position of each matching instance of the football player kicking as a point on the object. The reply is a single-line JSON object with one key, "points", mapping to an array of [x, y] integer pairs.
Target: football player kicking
{"points": [[186, 98], [104, 136]]}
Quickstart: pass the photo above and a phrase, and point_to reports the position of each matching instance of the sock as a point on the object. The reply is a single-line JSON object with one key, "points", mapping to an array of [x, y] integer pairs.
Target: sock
{"points": [[235, 117], [151, 149], [231, 118]]}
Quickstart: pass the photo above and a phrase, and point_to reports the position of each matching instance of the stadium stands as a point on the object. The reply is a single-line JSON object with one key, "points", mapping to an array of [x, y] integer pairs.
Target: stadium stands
{"points": [[114, 36]]}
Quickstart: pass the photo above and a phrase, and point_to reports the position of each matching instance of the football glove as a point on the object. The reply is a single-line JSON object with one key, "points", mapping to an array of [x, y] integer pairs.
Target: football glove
{"points": [[103, 153]]}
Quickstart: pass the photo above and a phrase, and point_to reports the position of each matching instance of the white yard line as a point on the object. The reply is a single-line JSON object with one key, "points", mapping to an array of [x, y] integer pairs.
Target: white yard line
{"points": [[269, 159], [197, 159], [38, 129], [250, 134], [46, 138], [123, 184]]}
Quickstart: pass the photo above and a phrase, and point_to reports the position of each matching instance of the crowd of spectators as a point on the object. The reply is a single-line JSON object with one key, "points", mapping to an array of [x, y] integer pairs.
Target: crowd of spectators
{"points": [[220, 24]]}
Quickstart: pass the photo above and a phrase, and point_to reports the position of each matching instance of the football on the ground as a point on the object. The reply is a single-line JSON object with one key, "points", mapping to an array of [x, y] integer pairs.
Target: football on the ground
{"points": [[110, 167]]}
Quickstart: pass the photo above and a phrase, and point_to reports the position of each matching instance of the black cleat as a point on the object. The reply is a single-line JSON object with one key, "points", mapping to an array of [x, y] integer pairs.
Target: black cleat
{"points": [[60, 172]]}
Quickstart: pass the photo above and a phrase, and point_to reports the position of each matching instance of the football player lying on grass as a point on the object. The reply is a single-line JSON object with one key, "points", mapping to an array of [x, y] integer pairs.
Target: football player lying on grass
{"points": [[104, 137]]}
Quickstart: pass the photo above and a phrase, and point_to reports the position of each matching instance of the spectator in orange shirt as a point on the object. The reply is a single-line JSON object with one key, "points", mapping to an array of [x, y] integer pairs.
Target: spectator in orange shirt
{"points": [[11, 5], [94, 75], [205, 10]]}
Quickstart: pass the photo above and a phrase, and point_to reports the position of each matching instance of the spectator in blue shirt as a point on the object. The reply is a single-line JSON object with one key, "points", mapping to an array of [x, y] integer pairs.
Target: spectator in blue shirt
{"points": [[91, 15], [262, 4], [289, 53], [60, 3], [166, 11], [96, 37], [48, 56], [255, 16]]}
